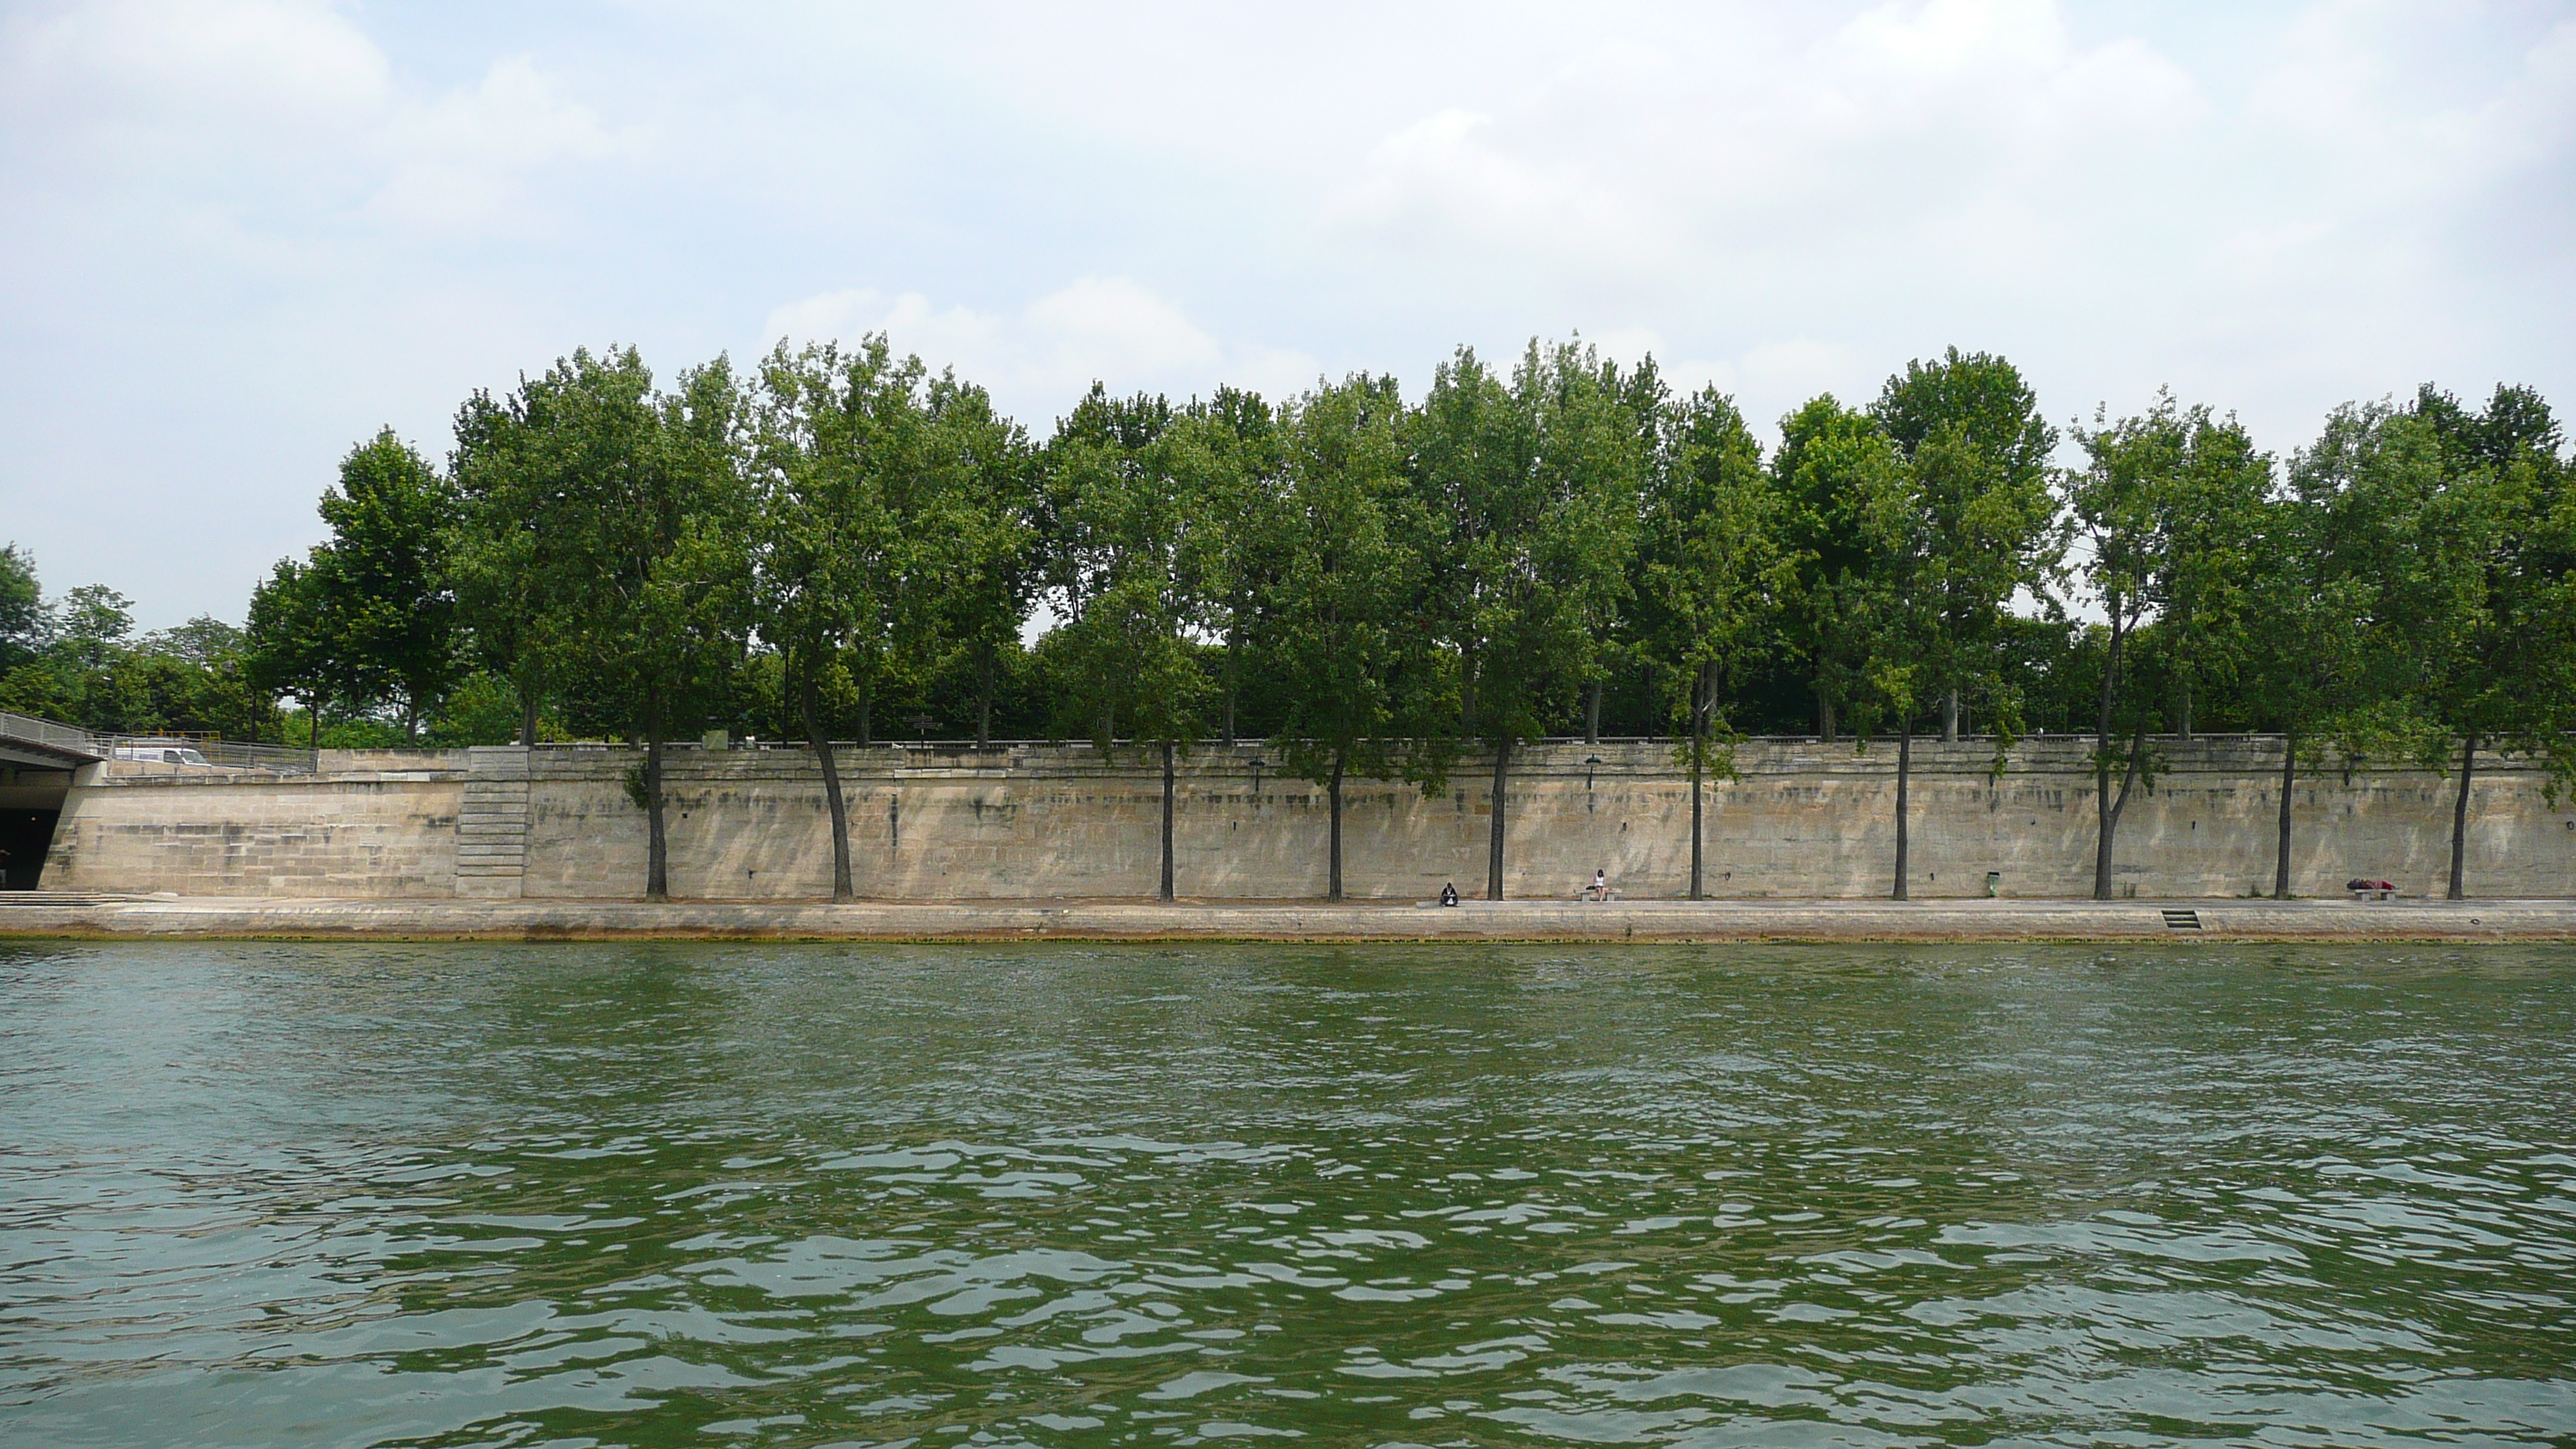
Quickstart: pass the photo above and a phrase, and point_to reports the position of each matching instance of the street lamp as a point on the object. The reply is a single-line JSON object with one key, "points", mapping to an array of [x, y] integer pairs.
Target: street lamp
{"points": [[1590, 763], [1257, 763]]}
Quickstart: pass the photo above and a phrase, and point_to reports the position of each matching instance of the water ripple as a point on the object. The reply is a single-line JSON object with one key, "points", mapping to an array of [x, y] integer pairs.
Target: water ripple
{"points": [[1060, 1196]]}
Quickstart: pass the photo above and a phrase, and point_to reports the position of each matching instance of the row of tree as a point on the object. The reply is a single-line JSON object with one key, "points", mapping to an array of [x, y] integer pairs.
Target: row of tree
{"points": [[1382, 587]]}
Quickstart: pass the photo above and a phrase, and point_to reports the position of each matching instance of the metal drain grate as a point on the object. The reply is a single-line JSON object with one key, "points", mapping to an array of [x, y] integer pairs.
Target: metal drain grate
{"points": [[2182, 920]]}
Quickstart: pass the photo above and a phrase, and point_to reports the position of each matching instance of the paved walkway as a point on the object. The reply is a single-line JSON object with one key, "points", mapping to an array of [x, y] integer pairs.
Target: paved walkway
{"points": [[51, 914]]}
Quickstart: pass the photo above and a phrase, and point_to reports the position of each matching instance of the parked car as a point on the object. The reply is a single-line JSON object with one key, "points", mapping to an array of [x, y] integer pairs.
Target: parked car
{"points": [[156, 752]]}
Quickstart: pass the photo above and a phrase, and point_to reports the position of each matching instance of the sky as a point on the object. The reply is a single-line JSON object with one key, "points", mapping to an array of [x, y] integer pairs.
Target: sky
{"points": [[239, 236]]}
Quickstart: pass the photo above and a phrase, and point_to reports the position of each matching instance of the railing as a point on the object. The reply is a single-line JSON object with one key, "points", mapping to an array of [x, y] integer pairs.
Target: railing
{"points": [[221, 754], [45, 732]]}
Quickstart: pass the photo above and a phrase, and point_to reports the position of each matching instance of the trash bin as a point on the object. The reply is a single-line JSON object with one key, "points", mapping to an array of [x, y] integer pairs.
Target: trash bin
{"points": [[1994, 883]]}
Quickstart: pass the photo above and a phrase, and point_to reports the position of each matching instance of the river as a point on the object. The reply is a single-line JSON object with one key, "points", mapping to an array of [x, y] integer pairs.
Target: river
{"points": [[1056, 1195]]}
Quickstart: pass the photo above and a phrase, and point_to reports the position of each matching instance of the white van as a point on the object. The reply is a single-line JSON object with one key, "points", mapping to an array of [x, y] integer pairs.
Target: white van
{"points": [[163, 754]]}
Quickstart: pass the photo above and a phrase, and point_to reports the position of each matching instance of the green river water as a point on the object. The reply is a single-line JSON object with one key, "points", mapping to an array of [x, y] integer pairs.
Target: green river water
{"points": [[1059, 1195]]}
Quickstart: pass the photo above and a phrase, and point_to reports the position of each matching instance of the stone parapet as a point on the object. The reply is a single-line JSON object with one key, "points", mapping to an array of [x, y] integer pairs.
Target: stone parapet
{"points": [[1800, 819]]}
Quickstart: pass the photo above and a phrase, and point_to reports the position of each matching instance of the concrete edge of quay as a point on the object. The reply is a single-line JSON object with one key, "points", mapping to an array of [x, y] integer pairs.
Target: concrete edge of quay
{"points": [[43, 916]]}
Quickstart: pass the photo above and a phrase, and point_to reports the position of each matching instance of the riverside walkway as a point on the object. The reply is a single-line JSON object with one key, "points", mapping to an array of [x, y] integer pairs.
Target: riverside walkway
{"points": [[43, 914]]}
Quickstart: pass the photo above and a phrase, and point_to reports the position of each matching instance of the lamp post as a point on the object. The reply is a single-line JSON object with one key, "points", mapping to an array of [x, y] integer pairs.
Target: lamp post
{"points": [[1257, 763], [1590, 763]]}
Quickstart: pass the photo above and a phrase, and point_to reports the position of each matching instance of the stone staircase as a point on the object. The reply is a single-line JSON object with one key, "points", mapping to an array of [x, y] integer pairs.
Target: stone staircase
{"points": [[492, 827]]}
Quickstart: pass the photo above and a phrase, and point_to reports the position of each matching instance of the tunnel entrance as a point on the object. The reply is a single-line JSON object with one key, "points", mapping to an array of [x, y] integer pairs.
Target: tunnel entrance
{"points": [[25, 836]]}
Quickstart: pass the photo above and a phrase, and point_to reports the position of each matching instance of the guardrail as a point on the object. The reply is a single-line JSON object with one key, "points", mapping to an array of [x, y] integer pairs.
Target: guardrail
{"points": [[222, 754], [45, 732]]}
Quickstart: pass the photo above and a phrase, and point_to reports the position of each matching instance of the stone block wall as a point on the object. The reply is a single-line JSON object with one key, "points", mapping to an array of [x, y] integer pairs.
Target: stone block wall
{"points": [[1803, 819], [364, 832]]}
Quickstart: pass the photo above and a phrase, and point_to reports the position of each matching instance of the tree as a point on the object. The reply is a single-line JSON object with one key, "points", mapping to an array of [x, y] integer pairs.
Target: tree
{"points": [[381, 590], [1893, 604], [284, 643], [1980, 450], [1350, 568], [631, 506], [1717, 568], [2208, 518], [2407, 547], [2302, 667], [1241, 477], [493, 548], [1134, 552], [841, 534], [2489, 555], [2167, 505], [26, 625], [1823, 499], [1535, 491], [989, 565]]}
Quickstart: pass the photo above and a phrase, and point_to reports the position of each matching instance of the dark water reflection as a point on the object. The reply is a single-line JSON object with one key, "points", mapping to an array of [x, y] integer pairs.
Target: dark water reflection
{"points": [[1689, 1196]]}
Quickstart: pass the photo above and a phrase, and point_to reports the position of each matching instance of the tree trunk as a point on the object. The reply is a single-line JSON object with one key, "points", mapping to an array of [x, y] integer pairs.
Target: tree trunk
{"points": [[657, 850], [1824, 717], [527, 714], [1950, 718], [1592, 714], [2289, 780], [2182, 711], [984, 698], [1233, 687], [2108, 810], [1701, 702], [1333, 889], [1494, 840], [1904, 768], [1166, 891], [867, 698], [411, 717], [2105, 818], [2460, 818], [313, 723], [832, 797]]}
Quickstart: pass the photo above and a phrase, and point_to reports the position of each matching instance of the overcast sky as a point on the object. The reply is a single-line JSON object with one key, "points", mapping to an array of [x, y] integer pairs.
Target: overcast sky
{"points": [[238, 235]]}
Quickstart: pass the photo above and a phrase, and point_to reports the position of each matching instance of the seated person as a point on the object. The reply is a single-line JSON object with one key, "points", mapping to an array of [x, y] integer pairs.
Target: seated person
{"points": [[1448, 893], [1599, 890]]}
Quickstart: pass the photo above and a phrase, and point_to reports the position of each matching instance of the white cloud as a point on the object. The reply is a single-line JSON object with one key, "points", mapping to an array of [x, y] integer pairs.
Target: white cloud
{"points": [[1037, 360], [464, 159], [268, 108], [316, 216]]}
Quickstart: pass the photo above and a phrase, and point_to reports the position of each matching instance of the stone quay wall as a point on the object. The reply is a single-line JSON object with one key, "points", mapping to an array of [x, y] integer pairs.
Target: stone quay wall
{"points": [[1803, 819]]}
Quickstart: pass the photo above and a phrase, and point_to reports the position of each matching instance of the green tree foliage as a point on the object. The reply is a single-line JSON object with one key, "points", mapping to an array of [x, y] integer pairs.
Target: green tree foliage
{"points": [[2449, 533], [1831, 460], [852, 526], [389, 619], [1134, 485], [1717, 565], [1381, 585], [1341, 589], [2166, 507], [1534, 487], [623, 511], [989, 566], [82, 662], [26, 625], [1979, 448], [504, 451], [287, 643]]}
